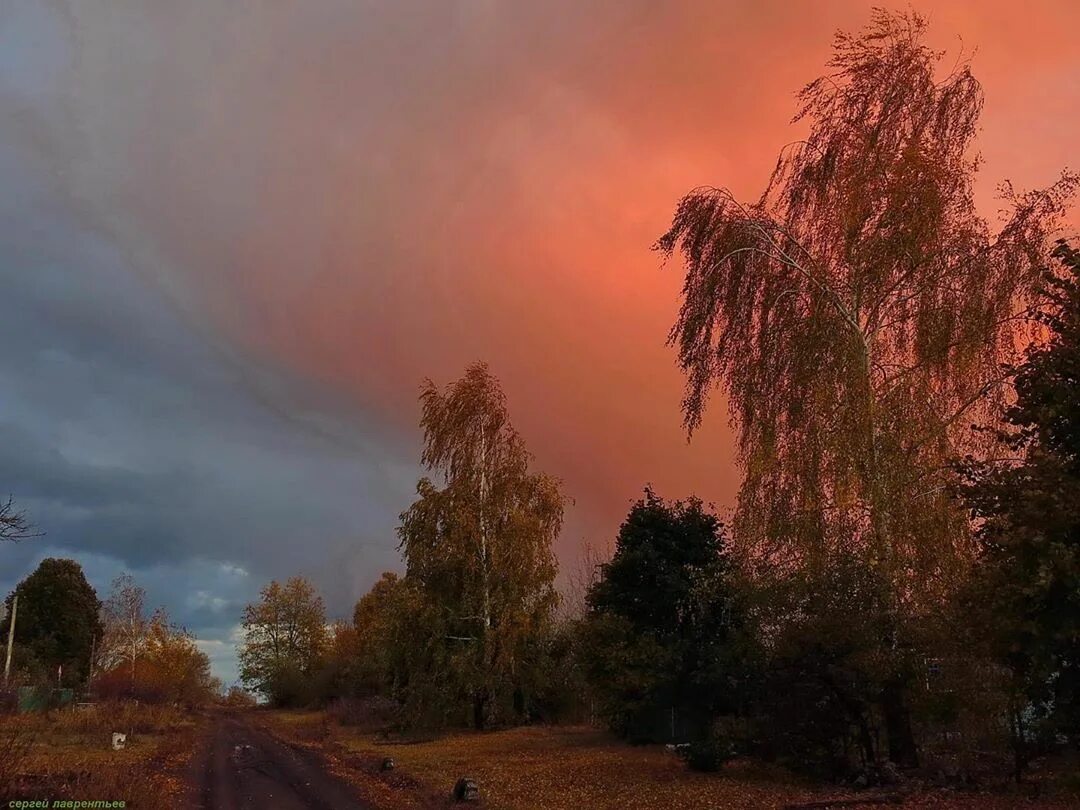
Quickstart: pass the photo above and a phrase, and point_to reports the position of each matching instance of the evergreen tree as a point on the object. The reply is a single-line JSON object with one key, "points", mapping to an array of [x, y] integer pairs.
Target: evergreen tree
{"points": [[1027, 508], [661, 625], [57, 619]]}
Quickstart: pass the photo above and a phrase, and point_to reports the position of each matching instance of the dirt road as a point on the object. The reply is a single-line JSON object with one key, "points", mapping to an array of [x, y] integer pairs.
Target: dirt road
{"points": [[241, 767]]}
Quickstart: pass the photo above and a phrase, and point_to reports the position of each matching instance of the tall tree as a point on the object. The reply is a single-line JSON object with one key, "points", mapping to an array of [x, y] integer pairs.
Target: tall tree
{"points": [[285, 637], [857, 316], [57, 619], [478, 549], [1027, 587]]}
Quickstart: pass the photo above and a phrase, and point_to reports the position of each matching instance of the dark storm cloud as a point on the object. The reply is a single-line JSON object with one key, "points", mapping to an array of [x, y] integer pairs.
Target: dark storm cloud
{"points": [[113, 406], [138, 443]]}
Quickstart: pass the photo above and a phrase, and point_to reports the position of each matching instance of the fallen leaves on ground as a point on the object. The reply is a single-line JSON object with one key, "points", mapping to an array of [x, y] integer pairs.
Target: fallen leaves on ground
{"points": [[557, 768]]}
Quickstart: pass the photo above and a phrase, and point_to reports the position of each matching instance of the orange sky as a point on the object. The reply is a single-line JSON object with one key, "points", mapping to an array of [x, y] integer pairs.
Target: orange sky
{"points": [[371, 196]]}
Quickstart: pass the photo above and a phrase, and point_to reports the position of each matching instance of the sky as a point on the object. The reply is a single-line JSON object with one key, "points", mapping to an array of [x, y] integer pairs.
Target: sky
{"points": [[235, 238]]}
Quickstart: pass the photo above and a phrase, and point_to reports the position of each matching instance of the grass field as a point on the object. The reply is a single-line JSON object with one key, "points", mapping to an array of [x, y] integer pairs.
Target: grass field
{"points": [[570, 767], [67, 754]]}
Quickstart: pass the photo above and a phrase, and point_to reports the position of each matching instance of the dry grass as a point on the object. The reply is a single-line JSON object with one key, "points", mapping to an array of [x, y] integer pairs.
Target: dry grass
{"points": [[571, 767], [14, 749], [67, 754]]}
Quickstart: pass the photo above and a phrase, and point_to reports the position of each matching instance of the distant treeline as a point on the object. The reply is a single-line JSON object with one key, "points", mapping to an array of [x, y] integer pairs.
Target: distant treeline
{"points": [[67, 638]]}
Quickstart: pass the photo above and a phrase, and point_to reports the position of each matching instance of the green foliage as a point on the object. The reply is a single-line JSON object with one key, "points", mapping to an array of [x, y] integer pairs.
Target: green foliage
{"points": [[376, 620], [286, 684], [662, 554], [57, 619], [552, 687], [661, 640], [630, 674], [1027, 584], [26, 668], [816, 705]]}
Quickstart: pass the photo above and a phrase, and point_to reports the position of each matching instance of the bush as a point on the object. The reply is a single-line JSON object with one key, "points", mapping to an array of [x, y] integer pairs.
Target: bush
{"points": [[104, 718], [291, 688], [709, 754], [9, 701], [238, 698]]}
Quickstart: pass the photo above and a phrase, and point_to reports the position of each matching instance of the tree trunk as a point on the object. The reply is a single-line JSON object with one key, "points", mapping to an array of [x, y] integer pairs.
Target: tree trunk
{"points": [[480, 700], [855, 712], [1017, 739], [483, 714], [902, 749], [901, 739], [866, 740]]}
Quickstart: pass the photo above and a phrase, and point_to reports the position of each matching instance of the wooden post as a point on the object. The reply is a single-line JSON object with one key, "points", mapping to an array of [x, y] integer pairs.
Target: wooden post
{"points": [[11, 638]]}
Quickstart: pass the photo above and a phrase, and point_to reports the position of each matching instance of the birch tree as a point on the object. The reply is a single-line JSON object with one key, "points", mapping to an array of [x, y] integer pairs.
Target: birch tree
{"points": [[125, 624], [477, 542], [858, 315]]}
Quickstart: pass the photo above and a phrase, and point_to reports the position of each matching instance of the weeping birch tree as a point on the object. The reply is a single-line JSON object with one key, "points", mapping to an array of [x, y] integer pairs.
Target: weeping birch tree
{"points": [[860, 316], [477, 542]]}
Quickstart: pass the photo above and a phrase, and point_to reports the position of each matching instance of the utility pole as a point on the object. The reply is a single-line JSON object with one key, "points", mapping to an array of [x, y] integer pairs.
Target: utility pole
{"points": [[11, 638], [93, 658]]}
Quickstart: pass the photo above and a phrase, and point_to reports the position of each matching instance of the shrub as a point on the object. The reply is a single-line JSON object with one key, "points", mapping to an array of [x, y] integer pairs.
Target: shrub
{"points": [[709, 754], [289, 687], [238, 698], [104, 718], [368, 712], [9, 701]]}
